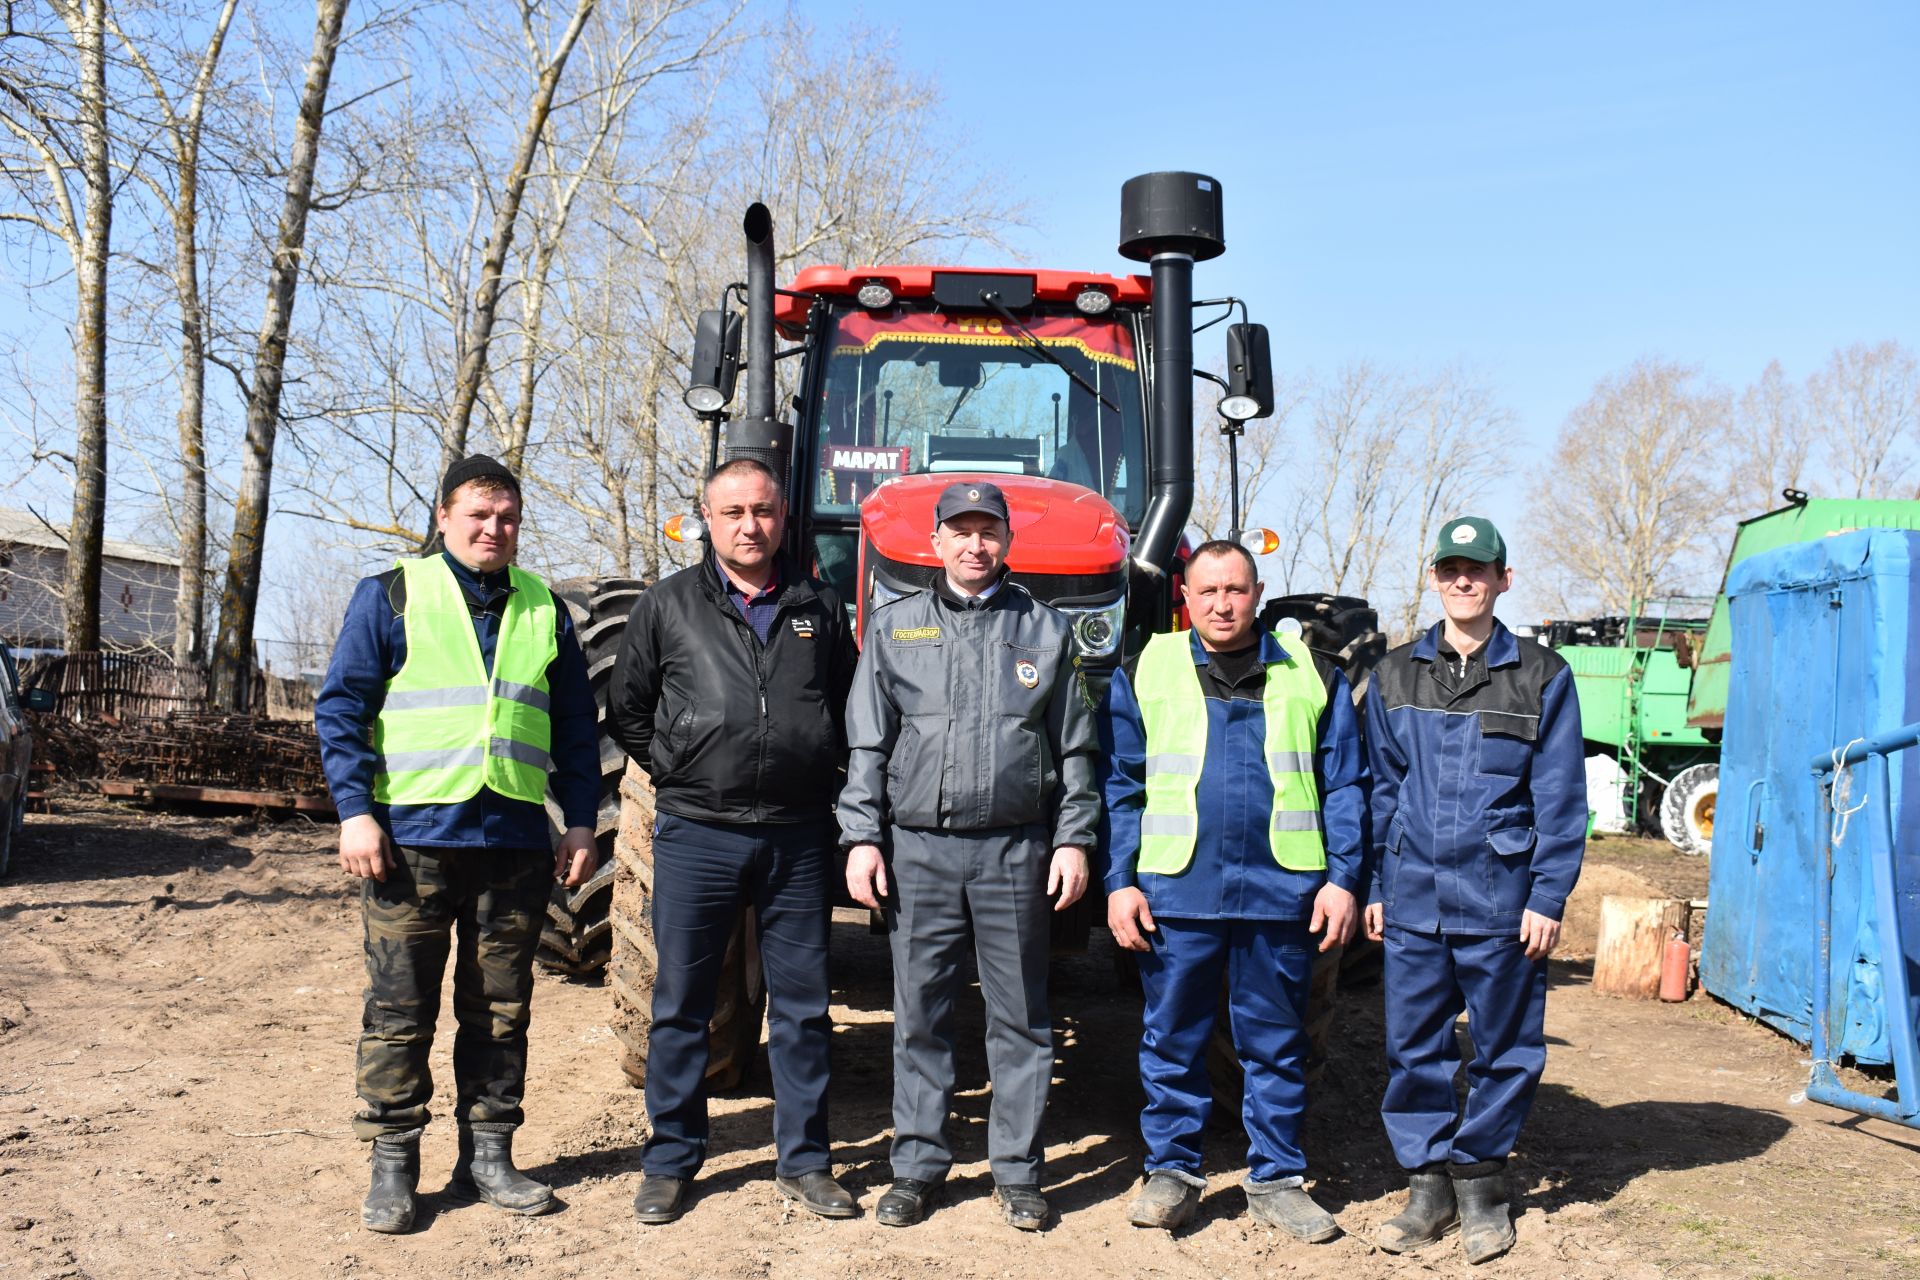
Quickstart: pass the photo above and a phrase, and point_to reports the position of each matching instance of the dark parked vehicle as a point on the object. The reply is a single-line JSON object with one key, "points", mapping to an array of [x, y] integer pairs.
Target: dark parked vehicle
{"points": [[16, 750]]}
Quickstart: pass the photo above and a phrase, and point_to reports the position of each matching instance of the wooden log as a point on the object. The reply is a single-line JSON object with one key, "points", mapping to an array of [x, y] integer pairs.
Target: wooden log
{"points": [[1633, 934]]}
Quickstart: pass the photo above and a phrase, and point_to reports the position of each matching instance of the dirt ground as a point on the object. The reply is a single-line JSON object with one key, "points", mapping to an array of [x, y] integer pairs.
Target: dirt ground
{"points": [[179, 998]]}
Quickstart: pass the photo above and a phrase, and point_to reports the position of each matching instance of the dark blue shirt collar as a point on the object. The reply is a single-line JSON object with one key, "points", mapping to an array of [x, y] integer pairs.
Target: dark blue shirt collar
{"points": [[483, 587], [1270, 650], [1502, 648]]}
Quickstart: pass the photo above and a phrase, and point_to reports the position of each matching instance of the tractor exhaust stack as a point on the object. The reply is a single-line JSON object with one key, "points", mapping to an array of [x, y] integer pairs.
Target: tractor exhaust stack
{"points": [[756, 433]]}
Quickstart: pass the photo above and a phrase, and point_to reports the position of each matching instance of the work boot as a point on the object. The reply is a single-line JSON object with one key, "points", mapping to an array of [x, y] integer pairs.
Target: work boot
{"points": [[1486, 1227], [1023, 1204], [817, 1192], [1167, 1201], [485, 1172], [661, 1199], [1285, 1204], [906, 1202], [1429, 1215], [388, 1207]]}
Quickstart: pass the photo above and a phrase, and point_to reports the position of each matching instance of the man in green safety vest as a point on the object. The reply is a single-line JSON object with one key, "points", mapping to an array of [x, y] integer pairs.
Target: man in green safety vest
{"points": [[1236, 803], [457, 693]]}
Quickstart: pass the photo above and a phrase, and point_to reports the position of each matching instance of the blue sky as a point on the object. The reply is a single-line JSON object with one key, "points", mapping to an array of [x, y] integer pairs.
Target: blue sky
{"points": [[1542, 191]]}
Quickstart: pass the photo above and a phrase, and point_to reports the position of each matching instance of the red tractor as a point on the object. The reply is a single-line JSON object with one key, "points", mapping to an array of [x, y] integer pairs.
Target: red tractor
{"points": [[1073, 391]]}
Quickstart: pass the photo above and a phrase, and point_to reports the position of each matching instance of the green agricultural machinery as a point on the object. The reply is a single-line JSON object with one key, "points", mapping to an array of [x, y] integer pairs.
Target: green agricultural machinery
{"points": [[1653, 686]]}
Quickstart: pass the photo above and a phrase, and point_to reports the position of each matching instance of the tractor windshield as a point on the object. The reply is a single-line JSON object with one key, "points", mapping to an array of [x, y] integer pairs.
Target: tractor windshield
{"points": [[911, 392]]}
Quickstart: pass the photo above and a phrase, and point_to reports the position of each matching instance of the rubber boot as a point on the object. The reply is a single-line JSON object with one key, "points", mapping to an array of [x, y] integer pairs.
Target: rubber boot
{"points": [[388, 1207], [1486, 1227], [485, 1172], [1430, 1214]]}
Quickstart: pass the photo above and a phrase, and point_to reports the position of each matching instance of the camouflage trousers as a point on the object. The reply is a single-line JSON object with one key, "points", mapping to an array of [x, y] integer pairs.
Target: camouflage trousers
{"points": [[486, 905]]}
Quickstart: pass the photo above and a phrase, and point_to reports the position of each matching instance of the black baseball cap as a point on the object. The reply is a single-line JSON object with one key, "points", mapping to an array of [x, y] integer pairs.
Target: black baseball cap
{"points": [[476, 466], [969, 496]]}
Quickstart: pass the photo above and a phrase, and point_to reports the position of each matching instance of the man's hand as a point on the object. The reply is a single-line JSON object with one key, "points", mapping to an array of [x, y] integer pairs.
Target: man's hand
{"points": [[575, 856], [1377, 922], [1539, 934], [1129, 919], [1067, 876], [866, 875], [1334, 910], [364, 849]]}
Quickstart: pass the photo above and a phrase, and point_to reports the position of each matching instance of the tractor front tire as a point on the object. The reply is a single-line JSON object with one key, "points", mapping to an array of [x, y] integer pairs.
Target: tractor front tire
{"points": [[733, 1036], [577, 936], [1686, 810]]}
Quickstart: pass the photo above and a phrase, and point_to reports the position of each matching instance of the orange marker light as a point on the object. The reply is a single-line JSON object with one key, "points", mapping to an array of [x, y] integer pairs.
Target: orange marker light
{"points": [[1260, 541], [683, 528]]}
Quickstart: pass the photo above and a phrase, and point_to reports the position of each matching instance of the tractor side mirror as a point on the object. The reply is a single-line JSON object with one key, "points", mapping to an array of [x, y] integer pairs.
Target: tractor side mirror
{"points": [[716, 361], [1249, 373]]}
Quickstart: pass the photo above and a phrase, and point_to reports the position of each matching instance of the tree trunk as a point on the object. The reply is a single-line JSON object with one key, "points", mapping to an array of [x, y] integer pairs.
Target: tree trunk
{"points": [[189, 607], [233, 651], [473, 363], [88, 528]]}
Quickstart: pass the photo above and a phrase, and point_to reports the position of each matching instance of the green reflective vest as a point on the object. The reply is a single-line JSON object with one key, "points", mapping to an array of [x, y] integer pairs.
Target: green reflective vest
{"points": [[446, 728], [1173, 709]]}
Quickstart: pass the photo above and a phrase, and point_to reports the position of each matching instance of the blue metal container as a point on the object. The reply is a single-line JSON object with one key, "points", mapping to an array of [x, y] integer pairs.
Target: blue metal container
{"points": [[1823, 654]]}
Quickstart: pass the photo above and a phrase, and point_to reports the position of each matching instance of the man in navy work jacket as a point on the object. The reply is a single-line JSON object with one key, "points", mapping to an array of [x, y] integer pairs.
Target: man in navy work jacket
{"points": [[730, 692], [455, 686], [1479, 820], [1236, 802]]}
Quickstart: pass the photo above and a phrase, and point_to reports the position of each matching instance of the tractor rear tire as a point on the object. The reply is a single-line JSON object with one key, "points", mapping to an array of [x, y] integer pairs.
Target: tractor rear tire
{"points": [[734, 1034], [577, 937], [1686, 810], [1223, 1063], [1345, 630]]}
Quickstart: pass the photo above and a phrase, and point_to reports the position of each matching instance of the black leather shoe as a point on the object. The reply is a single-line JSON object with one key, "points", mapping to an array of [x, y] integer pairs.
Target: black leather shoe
{"points": [[660, 1199], [1023, 1204], [817, 1192], [906, 1202]]}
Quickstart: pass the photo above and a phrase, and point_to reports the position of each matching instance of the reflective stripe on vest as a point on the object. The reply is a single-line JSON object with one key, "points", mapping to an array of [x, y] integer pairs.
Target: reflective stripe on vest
{"points": [[447, 728], [1174, 710]]}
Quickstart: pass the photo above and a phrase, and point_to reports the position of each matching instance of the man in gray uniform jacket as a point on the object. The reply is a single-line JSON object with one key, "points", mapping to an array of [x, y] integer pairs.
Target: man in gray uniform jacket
{"points": [[973, 749]]}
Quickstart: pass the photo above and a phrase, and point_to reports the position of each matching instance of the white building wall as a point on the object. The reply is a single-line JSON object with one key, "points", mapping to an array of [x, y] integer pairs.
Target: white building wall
{"points": [[136, 599]]}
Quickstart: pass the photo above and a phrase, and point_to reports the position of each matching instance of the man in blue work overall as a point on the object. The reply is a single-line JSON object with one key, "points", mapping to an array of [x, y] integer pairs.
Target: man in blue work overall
{"points": [[456, 685], [1479, 822], [1236, 801]]}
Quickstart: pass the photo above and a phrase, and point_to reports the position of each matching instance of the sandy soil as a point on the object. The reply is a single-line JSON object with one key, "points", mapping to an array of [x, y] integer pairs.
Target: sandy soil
{"points": [[180, 996]]}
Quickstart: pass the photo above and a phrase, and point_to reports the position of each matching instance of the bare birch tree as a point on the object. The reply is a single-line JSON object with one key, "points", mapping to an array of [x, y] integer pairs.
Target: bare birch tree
{"points": [[1633, 497], [182, 123], [1358, 420], [1864, 409], [62, 133], [1772, 439], [475, 330], [239, 600], [1459, 441]]}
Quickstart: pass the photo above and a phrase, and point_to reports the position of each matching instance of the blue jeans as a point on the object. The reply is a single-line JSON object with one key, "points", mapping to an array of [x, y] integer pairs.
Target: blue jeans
{"points": [[1268, 968], [1430, 978], [702, 873]]}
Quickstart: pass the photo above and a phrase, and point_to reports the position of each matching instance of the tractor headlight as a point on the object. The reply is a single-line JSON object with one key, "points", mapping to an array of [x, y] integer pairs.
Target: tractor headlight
{"points": [[1096, 628], [880, 591]]}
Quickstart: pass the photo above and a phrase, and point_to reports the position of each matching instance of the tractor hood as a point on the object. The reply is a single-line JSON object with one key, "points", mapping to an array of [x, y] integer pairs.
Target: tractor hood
{"points": [[1058, 528]]}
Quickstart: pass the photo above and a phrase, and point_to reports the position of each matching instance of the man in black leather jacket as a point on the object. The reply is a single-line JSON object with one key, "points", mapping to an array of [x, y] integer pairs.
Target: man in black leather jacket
{"points": [[972, 750], [730, 693]]}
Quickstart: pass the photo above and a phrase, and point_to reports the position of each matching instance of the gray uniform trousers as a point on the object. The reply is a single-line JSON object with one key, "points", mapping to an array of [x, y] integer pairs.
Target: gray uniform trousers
{"points": [[945, 885]]}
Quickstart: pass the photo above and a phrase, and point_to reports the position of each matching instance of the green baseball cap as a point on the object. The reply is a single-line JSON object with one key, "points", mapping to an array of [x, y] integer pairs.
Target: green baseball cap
{"points": [[1470, 538]]}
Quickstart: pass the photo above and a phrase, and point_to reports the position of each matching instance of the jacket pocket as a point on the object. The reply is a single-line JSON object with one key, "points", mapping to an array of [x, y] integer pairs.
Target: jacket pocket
{"points": [[1511, 842], [1506, 743], [914, 771], [670, 745], [1016, 765]]}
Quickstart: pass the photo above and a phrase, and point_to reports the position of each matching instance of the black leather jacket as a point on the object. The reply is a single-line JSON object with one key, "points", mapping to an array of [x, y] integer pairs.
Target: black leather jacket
{"points": [[732, 730]]}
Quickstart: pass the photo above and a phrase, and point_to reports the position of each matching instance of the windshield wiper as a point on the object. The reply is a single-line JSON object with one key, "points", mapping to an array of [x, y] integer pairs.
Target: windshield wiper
{"points": [[1040, 348]]}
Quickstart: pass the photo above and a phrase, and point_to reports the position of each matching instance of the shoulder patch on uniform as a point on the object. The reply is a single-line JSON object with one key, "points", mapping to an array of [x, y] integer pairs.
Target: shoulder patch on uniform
{"points": [[916, 633]]}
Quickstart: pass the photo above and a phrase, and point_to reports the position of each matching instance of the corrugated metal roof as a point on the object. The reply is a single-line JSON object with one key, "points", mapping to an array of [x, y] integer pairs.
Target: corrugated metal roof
{"points": [[26, 528]]}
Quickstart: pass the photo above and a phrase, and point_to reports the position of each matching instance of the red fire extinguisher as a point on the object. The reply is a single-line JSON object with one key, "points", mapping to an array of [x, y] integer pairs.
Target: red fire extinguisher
{"points": [[1675, 962]]}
